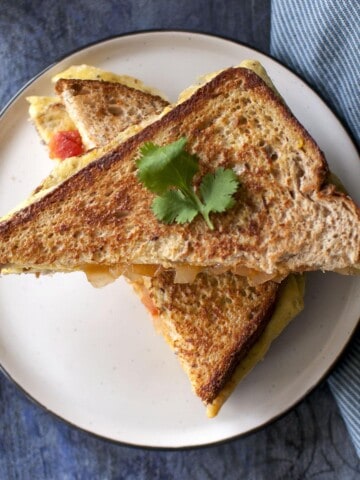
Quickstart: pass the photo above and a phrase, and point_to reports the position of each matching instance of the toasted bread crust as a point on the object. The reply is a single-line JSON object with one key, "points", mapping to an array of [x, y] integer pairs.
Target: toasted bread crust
{"points": [[212, 333], [101, 109], [285, 217]]}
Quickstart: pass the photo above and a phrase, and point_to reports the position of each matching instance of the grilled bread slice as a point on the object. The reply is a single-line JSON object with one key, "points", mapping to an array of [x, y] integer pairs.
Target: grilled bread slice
{"points": [[287, 217], [100, 109], [219, 327]]}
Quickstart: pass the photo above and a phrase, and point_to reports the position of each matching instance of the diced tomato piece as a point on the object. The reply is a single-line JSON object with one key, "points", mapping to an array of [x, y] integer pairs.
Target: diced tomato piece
{"points": [[149, 304], [65, 144]]}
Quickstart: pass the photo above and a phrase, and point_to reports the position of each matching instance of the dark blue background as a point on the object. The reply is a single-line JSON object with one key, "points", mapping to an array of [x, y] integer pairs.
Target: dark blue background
{"points": [[308, 442]]}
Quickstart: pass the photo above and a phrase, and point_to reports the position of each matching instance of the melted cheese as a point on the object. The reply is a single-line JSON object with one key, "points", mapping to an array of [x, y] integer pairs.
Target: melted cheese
{"points": [[38, 105], [289, 304]]}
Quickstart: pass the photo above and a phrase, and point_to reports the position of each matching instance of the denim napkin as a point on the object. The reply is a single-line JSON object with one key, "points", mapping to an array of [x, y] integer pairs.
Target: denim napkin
{"points": [[320, 39]]}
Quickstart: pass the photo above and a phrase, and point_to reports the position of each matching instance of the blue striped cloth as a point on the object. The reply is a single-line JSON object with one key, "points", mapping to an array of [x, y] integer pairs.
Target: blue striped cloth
{"points": [[320, 39]]}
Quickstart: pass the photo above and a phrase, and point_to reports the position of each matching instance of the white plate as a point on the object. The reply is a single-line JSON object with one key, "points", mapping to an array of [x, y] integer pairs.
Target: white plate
{"points": [[92, 356]]}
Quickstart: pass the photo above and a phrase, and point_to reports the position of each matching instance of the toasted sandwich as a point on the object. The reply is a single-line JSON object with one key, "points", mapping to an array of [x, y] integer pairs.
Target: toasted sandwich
{"points": [[219, 327], [228, 331], [287, 217], [109, 102]]}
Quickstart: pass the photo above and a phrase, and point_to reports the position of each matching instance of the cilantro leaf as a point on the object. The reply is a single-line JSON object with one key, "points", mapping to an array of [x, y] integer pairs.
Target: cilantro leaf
{"points": [[148, 148], [170, 165], [169, 170], [217, 190], [174, 206]]}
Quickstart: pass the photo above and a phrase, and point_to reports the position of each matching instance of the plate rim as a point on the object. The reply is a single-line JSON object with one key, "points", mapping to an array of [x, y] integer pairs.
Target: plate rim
{"points": [[340, 354]]}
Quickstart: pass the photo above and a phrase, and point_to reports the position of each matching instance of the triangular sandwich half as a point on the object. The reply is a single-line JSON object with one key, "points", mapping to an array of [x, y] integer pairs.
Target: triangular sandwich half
{"points": [[220, 326], [287, 217], [100, 110], [109, 102]]}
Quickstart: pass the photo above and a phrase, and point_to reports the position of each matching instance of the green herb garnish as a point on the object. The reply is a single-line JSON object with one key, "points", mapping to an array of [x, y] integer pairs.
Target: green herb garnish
{"points": [[168, 171]]}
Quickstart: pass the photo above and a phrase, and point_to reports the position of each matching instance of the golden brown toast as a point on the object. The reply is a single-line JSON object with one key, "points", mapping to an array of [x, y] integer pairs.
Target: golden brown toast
{"points": [[219, 327], [100, 110], [286, 218], [211, 323]]}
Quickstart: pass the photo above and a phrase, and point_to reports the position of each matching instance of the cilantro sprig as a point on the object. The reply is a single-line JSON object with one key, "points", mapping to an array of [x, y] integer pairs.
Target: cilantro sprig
{"points": [[169, 170]]}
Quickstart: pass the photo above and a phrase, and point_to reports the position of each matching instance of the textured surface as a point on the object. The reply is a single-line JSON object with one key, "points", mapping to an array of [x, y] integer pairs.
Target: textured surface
{"points": [[209, 346], [101, 110], [285, 217], [309, 442], [321, 51]]}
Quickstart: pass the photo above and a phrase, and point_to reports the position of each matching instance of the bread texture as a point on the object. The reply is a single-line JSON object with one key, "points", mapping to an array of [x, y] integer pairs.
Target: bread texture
{"points": [[100, 109], [287, 217], [219, 327], [210, 324]]}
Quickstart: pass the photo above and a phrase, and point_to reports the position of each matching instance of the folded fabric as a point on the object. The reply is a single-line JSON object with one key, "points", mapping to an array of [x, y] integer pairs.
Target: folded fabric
{"points": [[320, 40]]}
